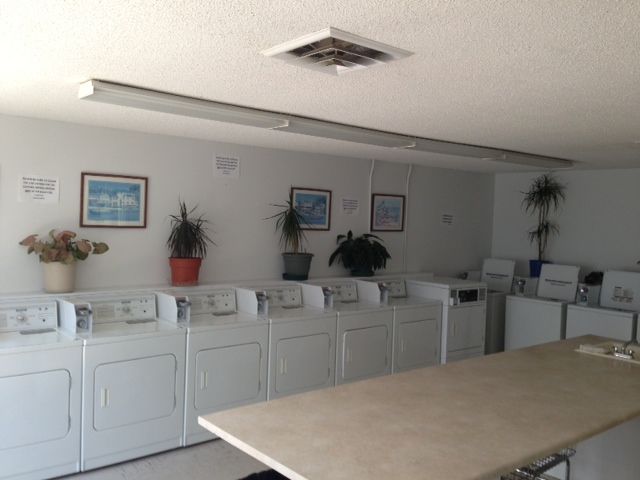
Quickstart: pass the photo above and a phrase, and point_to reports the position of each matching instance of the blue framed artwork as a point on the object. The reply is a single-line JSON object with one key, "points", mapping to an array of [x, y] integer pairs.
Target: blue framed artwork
{"points": [[315, 207], [387, 213], [118, 201]]}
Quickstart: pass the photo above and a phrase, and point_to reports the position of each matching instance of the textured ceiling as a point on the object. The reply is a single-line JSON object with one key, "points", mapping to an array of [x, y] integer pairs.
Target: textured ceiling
{"points": [[557, 78]]}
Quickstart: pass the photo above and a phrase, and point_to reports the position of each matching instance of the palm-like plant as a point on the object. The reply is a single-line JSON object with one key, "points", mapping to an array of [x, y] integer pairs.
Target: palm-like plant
{"points": [[290, 223], [544, 193], [189, 237], [362, 255]]}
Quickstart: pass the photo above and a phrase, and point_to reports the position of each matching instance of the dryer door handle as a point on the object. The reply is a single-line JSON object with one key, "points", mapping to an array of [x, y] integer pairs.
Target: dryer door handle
{"points": [[204, 380], [104, 397]]}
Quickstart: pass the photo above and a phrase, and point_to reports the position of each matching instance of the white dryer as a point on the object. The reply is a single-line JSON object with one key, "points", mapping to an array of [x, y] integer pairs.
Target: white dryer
{"points": [[364, 331], [226, 353], [616, 317], [302, 339], [532, 320], [417, 322], [133, 376], [40, 379], [498, 275], [464, 313]]}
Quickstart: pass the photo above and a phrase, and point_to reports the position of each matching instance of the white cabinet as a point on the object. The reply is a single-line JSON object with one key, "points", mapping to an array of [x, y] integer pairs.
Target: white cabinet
{"points": [[301, 356], [417, 337], [40, 393], [226, 367], [365, 345], [133, 398]]}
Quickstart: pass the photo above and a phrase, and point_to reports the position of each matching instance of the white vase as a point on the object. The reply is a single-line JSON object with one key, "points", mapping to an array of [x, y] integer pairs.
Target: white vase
{"points": [[59, 277]]}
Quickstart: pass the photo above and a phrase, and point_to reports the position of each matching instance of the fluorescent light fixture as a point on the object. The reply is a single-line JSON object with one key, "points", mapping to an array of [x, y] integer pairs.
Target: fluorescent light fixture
{"points": [[116, 94], [458, 149], [348, 133], [532, 160], [124, 95]]}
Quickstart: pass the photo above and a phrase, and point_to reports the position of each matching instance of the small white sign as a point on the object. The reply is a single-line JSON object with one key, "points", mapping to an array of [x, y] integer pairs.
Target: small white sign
{"points": [[34, 188], [226, 166], [350, 206]]}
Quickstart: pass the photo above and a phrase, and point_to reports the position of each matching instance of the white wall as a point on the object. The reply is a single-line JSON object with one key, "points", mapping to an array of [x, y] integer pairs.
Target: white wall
{"points": [[247, 247], [599, 222]]}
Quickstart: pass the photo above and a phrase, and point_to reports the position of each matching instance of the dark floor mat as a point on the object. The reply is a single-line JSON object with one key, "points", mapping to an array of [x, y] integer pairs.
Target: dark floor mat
{"points": [[266, 475]]}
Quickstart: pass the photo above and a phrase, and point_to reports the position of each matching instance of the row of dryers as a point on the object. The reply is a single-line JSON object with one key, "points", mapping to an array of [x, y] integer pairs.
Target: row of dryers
{"points": [[561, 308], [93, 379]]}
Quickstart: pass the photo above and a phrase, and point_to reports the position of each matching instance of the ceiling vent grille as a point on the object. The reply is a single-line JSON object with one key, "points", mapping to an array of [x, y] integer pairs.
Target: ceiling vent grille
{"points": [[335, 52]]}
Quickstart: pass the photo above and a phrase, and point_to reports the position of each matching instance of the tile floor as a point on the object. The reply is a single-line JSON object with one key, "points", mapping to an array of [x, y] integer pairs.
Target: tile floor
{"points": [[216, 460]]}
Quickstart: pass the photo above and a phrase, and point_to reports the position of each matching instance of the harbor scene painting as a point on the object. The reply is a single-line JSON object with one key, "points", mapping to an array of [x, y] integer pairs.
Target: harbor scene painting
{"points": [[387, 213], [315, 207], [113, 201]]}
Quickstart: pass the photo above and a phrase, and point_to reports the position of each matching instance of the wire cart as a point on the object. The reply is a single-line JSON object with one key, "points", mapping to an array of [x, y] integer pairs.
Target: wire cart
{"points": [[537, 469]]}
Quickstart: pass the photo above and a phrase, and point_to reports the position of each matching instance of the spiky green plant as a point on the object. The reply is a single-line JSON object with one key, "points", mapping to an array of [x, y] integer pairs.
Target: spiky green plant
{"points": [[544, 193], [188, 237], [62, 246], [362, 255], [290, 223]]}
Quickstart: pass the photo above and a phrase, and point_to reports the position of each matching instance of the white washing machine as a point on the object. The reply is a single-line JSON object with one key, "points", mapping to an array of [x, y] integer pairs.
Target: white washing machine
{"points": [[616, 317], [302, 339], [532, 320], [40, 379], [417, 322], [226, 353], [364, 329], [133, 376], [498, 275], [464, 313]]}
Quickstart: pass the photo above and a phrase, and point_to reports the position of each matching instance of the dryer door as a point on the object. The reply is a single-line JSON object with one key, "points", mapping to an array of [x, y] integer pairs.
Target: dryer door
{"points": [[134, 391], [418, 343], [34, 408], [303, 363], [365, 352], [227, 375]]}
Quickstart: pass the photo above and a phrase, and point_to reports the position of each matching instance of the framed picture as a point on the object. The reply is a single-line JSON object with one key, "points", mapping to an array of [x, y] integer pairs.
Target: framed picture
{"points": [[315, 207], [387, 213], [113, 201]]}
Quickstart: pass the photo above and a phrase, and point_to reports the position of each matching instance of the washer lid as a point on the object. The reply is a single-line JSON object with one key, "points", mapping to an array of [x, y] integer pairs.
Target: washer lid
{"points": [[498, 274], [558, 282], [621, 290]]}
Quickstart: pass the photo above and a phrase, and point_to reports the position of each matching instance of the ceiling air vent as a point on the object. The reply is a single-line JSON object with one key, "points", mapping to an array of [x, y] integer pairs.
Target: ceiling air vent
{"points": [[335, 51]]}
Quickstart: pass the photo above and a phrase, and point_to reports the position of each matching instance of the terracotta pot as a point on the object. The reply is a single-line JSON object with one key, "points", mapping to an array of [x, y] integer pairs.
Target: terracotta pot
{"points": [[59, 277], [184, 271]]}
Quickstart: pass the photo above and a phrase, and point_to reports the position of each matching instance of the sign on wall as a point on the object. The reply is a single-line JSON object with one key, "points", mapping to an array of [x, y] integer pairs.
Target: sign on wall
{"points": [[226, 166], [38, 189]]}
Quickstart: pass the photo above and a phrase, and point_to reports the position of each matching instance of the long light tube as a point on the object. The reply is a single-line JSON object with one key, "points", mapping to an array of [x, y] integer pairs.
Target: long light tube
{"points": [[128, 96]]}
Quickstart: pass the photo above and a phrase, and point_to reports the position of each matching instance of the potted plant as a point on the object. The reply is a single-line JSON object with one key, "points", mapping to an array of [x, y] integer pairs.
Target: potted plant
{"points": [[58, 254], [290, 223], [361, 255], [544, 194], [187, 243]]}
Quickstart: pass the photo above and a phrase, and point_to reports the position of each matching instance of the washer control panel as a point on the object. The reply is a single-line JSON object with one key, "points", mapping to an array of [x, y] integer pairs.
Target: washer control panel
{"points": [[123, 309], [216, 302], [397, 287], [36, 316], [344, 292], [287, 297]]}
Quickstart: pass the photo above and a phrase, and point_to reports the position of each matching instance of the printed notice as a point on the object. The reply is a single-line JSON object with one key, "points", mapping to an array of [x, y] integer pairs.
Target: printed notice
{"points": [[350, 206], [225, 166], [34, 188]]}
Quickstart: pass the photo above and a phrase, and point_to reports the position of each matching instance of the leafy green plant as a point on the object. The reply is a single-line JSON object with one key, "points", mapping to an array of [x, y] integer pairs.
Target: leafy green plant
{"points": [[62, 246], [188, 237], [290, 223], [544, 193], [362, 255]]}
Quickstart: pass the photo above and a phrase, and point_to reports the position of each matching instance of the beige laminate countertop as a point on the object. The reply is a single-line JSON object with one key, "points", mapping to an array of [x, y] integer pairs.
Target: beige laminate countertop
{"points": [[468, 420]]}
